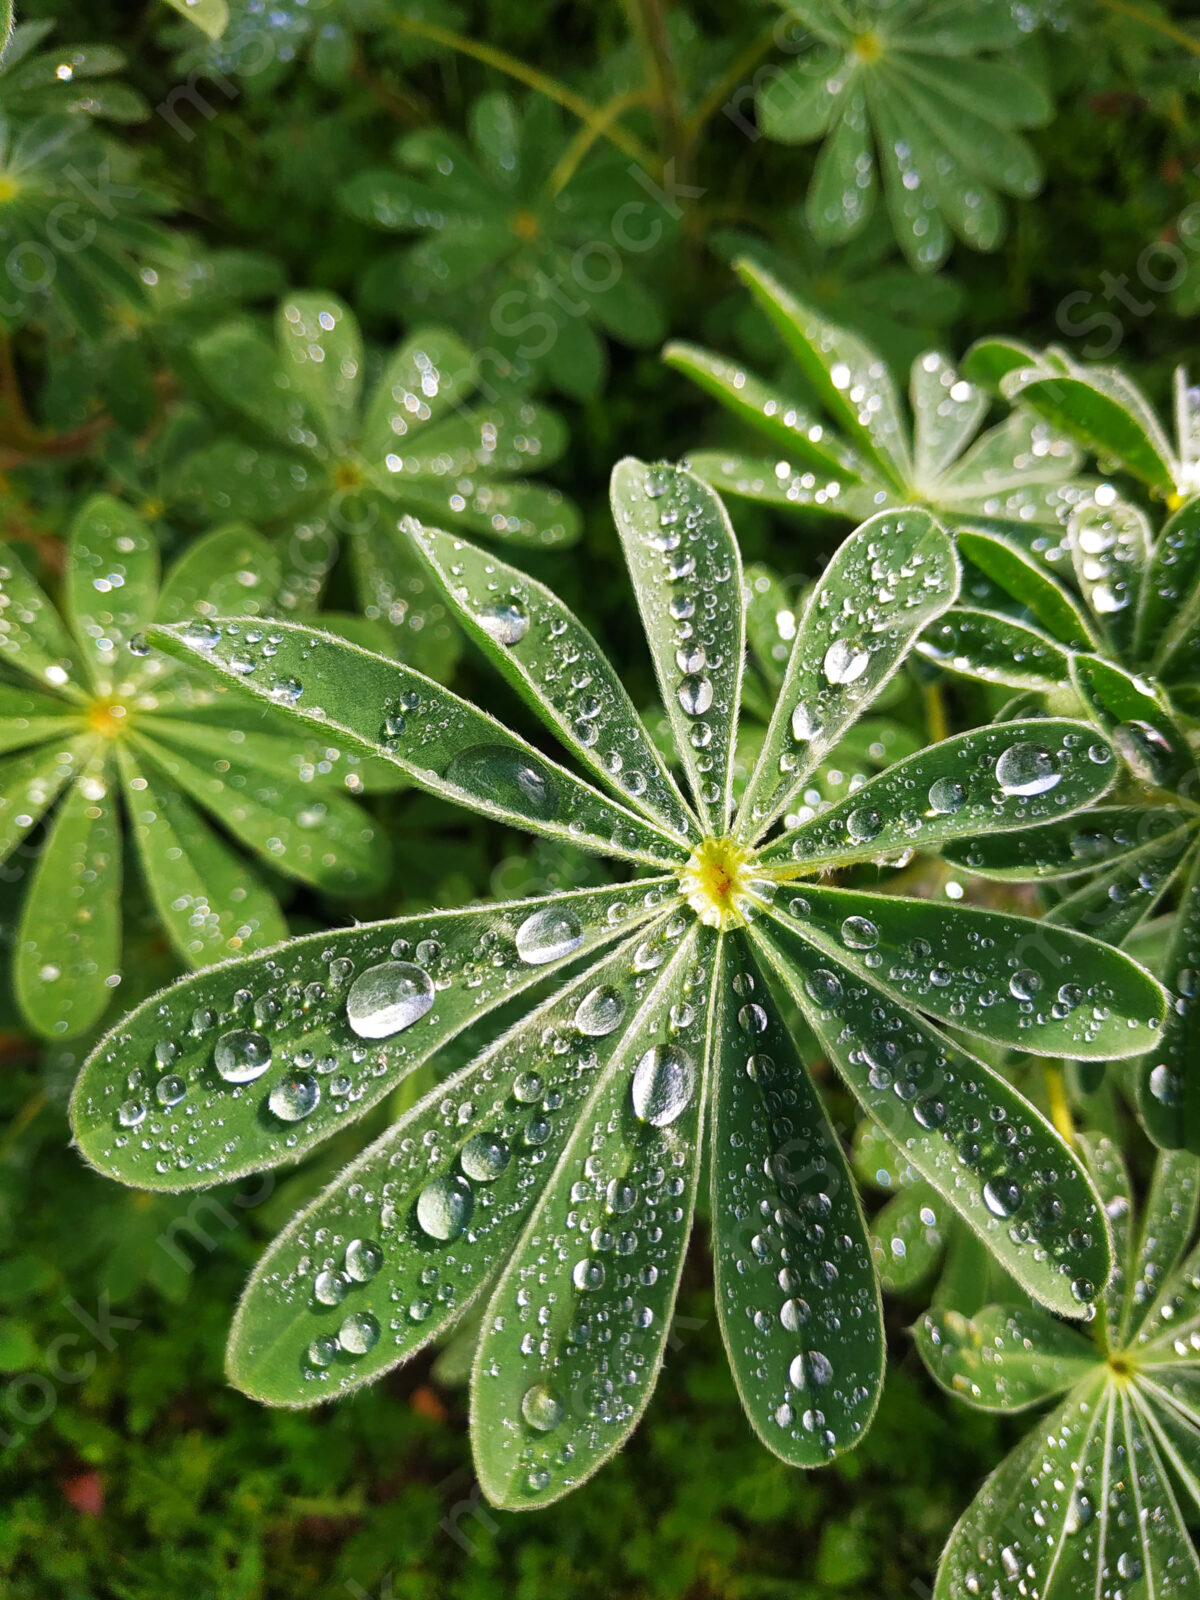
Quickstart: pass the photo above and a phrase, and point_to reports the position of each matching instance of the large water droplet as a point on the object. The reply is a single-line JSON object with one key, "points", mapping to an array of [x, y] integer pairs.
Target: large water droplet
{"points": [[806, 724], [507, 778], [241, 1056], [506, 621], [1027, 769], [811, 1370], [946, 796], [859, 933], [444, 1207], [663, 1084], [600, 1011], [541, 1408], [1002, 1197], [484, 1157], [359, 1333], [696, 694], [548, 935], [385, 999], [845, 661], [363, 1260]]}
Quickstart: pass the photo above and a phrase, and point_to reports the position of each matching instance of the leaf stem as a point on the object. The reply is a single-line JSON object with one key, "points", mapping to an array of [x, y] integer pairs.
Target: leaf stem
{"points": [[935, 713], [1159, 24], [585, 137], [728, 81], [513, 67], [1056, 1096]]}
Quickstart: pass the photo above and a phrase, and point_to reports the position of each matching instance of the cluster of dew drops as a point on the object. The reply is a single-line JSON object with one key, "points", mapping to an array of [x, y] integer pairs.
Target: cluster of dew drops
{"points": [[381, 1002]]}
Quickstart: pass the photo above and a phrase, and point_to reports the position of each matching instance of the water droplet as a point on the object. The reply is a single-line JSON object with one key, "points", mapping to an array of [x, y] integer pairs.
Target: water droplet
{"points": [[810, 1370], [363, 1260], [663, 1084], [845, 661], [385, 999], [859, 933], [696, 694], [1002, 1197], [541, 1408], [484, 1157], [507, 778], [1024, 984], [169, 1091], [794, 1314], [241, 1055], [131, 1112], [946, 796], [505, 621], [293, 1097], [1027, 769], [359, 1333], [588, 1273], [548, 935], [331, 1288], [806, 724], [322, 1352], [864, 824], [444, 1207], [600, 1012]]}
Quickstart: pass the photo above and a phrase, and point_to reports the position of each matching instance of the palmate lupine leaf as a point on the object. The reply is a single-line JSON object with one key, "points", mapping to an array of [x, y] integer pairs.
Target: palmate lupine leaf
{"points": [[855, 450], [1094, 1500], [497, 244], [427, 439], [900, 90], [558, 1171], [1103, 409], [119, 738]]}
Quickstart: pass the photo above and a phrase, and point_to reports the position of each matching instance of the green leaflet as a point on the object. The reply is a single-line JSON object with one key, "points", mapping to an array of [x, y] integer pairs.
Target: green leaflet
{"points": [[795, 1288], [993, 780], [551, 1400], [204, 893], [543, 649], [1004, 1358], [69, 938], [886, 582], [687, 574], [441, 742], [1030, 985], [332, 1022]]}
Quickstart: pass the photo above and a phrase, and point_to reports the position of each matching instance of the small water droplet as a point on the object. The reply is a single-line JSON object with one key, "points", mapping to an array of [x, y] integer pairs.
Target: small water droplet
{"points": [[293, 1097]]}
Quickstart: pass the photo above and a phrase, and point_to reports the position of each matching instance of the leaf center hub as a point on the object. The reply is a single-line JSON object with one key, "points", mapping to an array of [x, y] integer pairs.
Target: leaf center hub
{"points": [[717, 882], [108, 718]]}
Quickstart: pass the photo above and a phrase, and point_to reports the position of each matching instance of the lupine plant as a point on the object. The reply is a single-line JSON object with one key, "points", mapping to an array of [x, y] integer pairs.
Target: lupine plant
{"points": [[339, 462], [558, 1171], [607, 1027], [922, 93], [107, 738], [1096, 1499], [848, 444]]}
